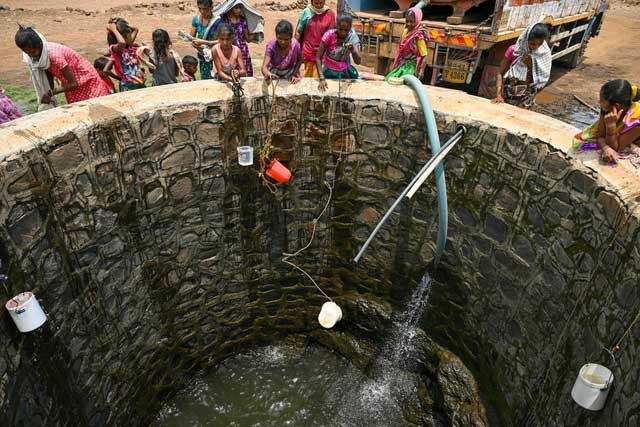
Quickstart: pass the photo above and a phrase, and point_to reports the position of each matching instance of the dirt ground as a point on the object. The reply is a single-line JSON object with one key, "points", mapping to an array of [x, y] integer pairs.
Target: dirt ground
{"points": [[80, 24]]}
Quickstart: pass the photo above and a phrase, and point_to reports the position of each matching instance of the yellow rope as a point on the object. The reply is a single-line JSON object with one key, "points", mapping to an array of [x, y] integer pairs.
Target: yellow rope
{"points": [[265, 151]]}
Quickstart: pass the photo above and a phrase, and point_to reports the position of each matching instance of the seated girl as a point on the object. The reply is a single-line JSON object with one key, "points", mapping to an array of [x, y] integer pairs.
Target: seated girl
{"points": [[619, 124], [525, 68], [283, 56], [336, 47], [227, 57], [412, 50]]}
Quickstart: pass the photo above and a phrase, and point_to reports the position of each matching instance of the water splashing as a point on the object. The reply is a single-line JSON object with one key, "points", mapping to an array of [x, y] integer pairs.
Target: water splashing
{"points": [[380, 400]]}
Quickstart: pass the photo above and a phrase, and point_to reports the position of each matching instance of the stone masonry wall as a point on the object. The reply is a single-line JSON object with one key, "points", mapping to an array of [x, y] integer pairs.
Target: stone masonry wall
{"points": [[155, 254]]}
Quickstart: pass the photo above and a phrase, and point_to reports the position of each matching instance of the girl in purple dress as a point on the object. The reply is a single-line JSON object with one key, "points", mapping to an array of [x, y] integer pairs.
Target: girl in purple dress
{"points": [[235, 18], [283, 56]]}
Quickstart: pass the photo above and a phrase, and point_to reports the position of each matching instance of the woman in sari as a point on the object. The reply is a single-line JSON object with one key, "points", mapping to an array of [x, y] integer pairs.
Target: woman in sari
{"points": [[283, 57], [619, 125], [315, 20], [525, 68], [412, 50], [336, 48]]}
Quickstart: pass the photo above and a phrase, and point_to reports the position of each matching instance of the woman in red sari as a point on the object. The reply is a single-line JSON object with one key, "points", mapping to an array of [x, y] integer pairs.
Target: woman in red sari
{"points": [[413, 47], [314, 21]]}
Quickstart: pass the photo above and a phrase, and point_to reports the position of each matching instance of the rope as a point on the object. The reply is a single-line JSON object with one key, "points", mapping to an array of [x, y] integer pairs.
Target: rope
{"points": [[265, 151], [330, 186], [616, 347]]}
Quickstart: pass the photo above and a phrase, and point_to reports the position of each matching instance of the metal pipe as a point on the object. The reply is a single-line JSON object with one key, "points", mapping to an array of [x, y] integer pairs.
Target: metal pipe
{"points": [[422, 175]]}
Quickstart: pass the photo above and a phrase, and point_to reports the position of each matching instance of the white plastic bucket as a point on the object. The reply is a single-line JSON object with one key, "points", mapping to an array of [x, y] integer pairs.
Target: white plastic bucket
{"points": [[592, 386], [26, 312], [245, 155], [330, 314]]}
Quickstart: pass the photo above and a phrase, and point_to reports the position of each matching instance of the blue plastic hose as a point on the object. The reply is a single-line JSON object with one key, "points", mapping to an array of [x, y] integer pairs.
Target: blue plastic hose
{"points": [[434, 140]]}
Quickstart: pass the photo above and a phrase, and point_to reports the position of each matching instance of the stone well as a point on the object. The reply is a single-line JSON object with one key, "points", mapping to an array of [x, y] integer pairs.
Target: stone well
{"points": [[155, 254]]}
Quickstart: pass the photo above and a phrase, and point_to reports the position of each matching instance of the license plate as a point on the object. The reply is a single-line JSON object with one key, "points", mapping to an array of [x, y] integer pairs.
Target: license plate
{"points": [[456, 71]]}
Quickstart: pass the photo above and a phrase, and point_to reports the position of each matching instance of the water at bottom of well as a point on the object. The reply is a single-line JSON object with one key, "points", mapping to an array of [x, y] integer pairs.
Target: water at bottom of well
{"points": [[282, 385]]}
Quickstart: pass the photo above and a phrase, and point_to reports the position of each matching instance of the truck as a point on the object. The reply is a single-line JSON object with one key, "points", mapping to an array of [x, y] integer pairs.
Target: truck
{"points": [[468, 38]]}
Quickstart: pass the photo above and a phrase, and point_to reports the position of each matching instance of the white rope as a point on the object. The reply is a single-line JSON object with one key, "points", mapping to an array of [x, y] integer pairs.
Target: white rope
{"points": [[314, 222]]}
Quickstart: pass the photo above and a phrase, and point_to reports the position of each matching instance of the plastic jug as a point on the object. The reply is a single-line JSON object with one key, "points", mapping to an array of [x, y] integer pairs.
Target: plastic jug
{"points": [[245, 155], [278, 171]]}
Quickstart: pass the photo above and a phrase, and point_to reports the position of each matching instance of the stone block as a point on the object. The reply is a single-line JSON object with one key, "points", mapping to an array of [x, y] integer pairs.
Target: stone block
{"points": [[374, 134], [181, 188], [507, 199], [210, 134], [66, 158], [152, 126], [186, 117], [180, 135], [25, 224], [582, 182], [182, 157], [371, 112], [215, 113], [612, 207], [495, 228], [555, 165]]}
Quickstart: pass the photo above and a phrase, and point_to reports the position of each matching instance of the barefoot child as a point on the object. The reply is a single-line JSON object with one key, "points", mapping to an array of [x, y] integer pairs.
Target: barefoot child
{"points": [[283, 56], [227, 57], [103, 67], [123, 49], [190, 64], [165, 64], [335, 49]]}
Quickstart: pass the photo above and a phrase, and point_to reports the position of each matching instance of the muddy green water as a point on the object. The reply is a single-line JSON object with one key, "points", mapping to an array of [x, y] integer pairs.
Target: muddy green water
{"points": [[282, 385]]}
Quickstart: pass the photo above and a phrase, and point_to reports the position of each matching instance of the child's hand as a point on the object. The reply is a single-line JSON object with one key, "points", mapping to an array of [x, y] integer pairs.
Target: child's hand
{"points": [[294, 79], [268, 76], [498, 100], [348, 46], [235, 74], [322, 86], [112, 27]]}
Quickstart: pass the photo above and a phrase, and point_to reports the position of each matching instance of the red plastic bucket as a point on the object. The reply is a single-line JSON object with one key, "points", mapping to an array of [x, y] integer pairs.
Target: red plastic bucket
{"points": [[278, 171]]}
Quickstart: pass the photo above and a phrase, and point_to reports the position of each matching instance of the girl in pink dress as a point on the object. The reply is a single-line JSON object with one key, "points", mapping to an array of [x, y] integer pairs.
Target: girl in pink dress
{"points": [[227, 57], [46, 61]]}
